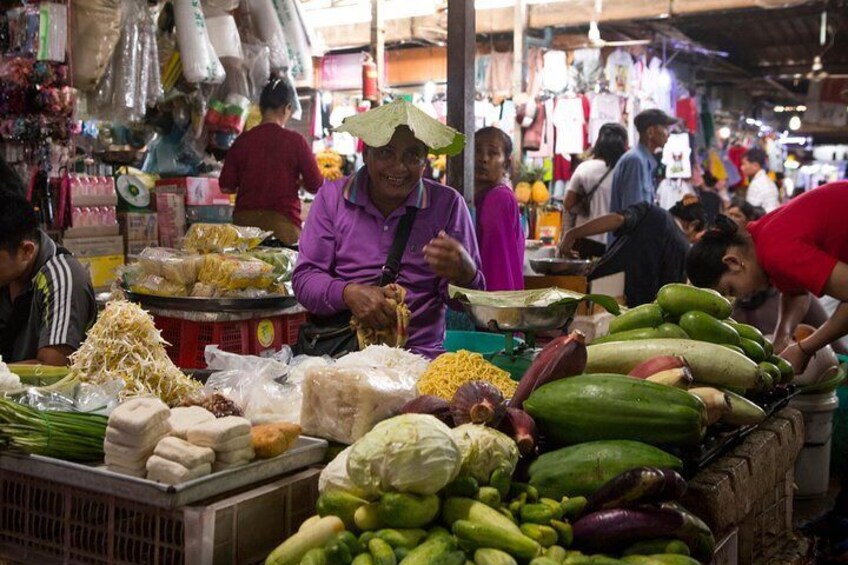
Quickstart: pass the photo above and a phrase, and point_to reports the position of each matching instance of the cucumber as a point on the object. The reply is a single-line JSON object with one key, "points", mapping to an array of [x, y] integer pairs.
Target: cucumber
{"points": [[518, 488], [315, 556], [455, 509], [463, 486], [664, 331], [544, 560], [452, 558], [403, 510], [657, 546], [787, 373], [557, 553], [742, 411], [644, 316], [748, 332], [537, 513], [431, 550], [489, 496], [382, 552], [291, 551], [572, 508], [409, 538], [768, 347], [676, 299], [711, 364], [703, 327], [565, 533], [753, 350], [483, 535], [363, 559], [556, 507], [368, 517], [401, 553], [735, 348], [545, 536], [773, 371], [341, 504], [489, 556]]}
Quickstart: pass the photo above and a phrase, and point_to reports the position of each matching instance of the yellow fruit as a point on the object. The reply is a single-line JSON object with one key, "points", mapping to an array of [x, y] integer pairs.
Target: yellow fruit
{"points": [[540, 192], [522, 192]]}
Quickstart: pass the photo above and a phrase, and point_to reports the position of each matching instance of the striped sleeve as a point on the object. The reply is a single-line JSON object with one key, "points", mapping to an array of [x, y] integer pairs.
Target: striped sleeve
{"points": [[66, 300]]}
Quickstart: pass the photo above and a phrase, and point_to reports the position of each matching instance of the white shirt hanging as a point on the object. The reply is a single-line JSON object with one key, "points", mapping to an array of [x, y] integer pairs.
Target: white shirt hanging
{"points": [[618, 71], [676, 157]]}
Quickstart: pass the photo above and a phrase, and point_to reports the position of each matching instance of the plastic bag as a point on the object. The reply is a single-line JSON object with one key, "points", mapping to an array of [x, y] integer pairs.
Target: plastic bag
{"points": [[154, 285], [222, 238], [199, 60], [170, 264], [101, 398], [343, 403], [229, 272], [257, 65], [282, 261], [268, 29], [257, 384], [95, 29]]}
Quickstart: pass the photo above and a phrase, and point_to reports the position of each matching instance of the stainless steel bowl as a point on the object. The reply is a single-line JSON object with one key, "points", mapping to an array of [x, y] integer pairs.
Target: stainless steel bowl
{"points": [[521, 319], [558, 266]]}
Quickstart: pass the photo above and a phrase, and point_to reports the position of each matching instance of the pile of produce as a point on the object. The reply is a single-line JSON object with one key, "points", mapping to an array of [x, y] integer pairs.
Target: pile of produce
{"points": [[415, 492], [216, 261], [125, 345]]}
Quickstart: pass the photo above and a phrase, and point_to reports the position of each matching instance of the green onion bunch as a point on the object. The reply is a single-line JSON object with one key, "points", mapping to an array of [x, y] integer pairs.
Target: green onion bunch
{"points": [[71, 436]]}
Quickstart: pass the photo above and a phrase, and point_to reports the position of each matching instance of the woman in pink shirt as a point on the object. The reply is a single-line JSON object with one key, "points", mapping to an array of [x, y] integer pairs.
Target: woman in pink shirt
{"points": [[499, 232]]}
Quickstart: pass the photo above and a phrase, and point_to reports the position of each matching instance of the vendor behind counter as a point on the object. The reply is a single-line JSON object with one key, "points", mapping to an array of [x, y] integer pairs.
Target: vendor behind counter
{"points": [[46, 298]]}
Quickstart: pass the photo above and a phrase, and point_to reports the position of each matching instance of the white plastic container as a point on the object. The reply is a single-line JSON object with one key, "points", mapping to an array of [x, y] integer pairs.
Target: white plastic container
{"points": [[812, 468]]}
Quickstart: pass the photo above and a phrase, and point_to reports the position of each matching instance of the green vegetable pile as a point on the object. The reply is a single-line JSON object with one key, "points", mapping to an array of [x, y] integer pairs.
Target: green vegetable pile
{"points": [[72, 436]]}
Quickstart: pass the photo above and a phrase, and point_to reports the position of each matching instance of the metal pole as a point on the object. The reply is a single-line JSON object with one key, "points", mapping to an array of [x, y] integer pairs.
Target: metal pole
{"points": [[519, 22], [378, 43], [460, 91]]}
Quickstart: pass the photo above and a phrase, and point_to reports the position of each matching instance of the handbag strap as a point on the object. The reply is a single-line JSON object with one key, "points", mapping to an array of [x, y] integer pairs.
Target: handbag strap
{"points": [[594, 189], [391, 269]]}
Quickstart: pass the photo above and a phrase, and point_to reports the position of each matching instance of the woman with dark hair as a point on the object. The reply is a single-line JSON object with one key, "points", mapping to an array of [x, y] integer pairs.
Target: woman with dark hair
{"points": [[650, 245], [588, 195], [800, 248], [268, 164], [742, 212], [499, 232]]}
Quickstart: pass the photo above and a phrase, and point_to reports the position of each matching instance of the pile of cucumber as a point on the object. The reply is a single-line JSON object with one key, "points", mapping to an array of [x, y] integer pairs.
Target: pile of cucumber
{"points": [[683, 312], [507, 524]]}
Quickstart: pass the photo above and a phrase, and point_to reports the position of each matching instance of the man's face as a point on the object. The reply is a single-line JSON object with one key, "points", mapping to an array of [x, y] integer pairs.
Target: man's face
{"points": [[749, 169], [397, 168], [658, 134], [13, 265]]}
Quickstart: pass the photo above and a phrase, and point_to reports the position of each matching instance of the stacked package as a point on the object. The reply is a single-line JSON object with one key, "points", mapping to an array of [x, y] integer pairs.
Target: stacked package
{"points": [[229, 437], [175, 461], [135, 428], [183, 418]]}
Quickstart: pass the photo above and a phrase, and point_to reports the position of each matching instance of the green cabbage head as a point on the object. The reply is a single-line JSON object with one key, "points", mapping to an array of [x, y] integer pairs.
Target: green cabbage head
{"points": [[484, 450]]}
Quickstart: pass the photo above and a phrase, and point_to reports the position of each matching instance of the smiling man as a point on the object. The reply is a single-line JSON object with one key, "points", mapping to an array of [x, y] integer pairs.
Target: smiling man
{"points": [[353, 223], [46, 299]]}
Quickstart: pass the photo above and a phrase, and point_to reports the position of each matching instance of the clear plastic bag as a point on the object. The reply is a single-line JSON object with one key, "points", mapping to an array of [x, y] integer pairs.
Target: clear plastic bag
{"points": [[199, 60], [257, 384], [223, 238], [282, 260], [344, 403], [229, 272], [157, 286], [257, 64], [170, 264]]}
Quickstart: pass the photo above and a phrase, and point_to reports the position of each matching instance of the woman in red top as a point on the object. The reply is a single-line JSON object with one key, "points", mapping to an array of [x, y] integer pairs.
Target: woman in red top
{"points": [[268, 164], [800, 248]]}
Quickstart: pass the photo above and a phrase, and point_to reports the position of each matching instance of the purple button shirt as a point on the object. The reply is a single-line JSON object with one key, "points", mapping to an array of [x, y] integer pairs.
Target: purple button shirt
{"points": [[347, 240]]}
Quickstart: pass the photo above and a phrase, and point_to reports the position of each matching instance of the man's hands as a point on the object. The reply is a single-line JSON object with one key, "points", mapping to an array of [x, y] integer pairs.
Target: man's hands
{"points": [[450, 260], [370, 305]]}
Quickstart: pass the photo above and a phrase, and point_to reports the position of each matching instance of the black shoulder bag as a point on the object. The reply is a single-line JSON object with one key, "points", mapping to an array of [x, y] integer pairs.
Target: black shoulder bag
{"points": [[333, 335]]}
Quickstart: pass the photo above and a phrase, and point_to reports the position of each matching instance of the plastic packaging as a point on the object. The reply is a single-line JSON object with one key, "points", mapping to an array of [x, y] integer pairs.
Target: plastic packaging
{"points": [[257, 64], [267, 27], [221, 238], [343, 403], [170, 264], [53, 32], [229, 272], [156, 286], [259, 385], [200, 63], [95, 29], [224, 36], [281, 259]]}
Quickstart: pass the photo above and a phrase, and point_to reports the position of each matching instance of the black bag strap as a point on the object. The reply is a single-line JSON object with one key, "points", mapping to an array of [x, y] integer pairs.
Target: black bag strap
{"points": [[594, 189], [391, 269]]}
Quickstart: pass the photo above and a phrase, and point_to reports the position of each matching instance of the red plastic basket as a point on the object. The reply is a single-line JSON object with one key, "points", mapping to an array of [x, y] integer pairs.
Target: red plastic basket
{"points": [[188, 339]]}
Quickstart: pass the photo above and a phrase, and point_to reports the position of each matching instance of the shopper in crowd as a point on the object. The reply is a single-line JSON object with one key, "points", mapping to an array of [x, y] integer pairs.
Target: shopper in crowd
{"points": [[711, 191], [741, 212], [650, 247], [590, 189], [633, 179], [762, 191], [46, 298], [353, 223], [801, 248], [499, 232], [267, 165]]}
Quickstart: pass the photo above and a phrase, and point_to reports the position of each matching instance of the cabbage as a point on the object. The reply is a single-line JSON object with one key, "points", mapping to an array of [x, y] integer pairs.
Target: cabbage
{"points": [[376, 127], [411, 453], [484, 450], [334, 477]]}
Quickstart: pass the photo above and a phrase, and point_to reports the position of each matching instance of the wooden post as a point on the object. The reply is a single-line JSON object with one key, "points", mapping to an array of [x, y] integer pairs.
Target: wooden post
{"points": [[378, 43], [519, 23], [461, 51]]}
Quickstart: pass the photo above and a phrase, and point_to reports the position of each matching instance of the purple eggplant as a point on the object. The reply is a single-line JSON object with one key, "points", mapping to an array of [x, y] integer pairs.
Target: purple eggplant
{"points": [[429, 404], [638, 486], [619, 527]]}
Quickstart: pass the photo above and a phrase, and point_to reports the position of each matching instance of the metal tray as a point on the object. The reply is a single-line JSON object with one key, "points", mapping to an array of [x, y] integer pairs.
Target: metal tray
{"points": [[522, 318], [558, 266], [308, 451], [189, 304]]}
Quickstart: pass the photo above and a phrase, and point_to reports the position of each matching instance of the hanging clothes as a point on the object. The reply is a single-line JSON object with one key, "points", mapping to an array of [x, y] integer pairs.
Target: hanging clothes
{"points": [[555, 74], [535, 72], [659, 89], [546, 143], [482, 76], [715, 165], [676, 156], [500, 70], [707, 123], [569, 121], [605, 109], [532, 138], [586, 69], [687, 110], [619, 70], [672, 191], [635, 105], [734, 154]]}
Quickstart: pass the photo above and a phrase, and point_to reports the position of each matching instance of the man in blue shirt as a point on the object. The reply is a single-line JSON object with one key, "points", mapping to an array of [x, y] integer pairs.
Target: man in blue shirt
{"points": [[633, 177]]}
